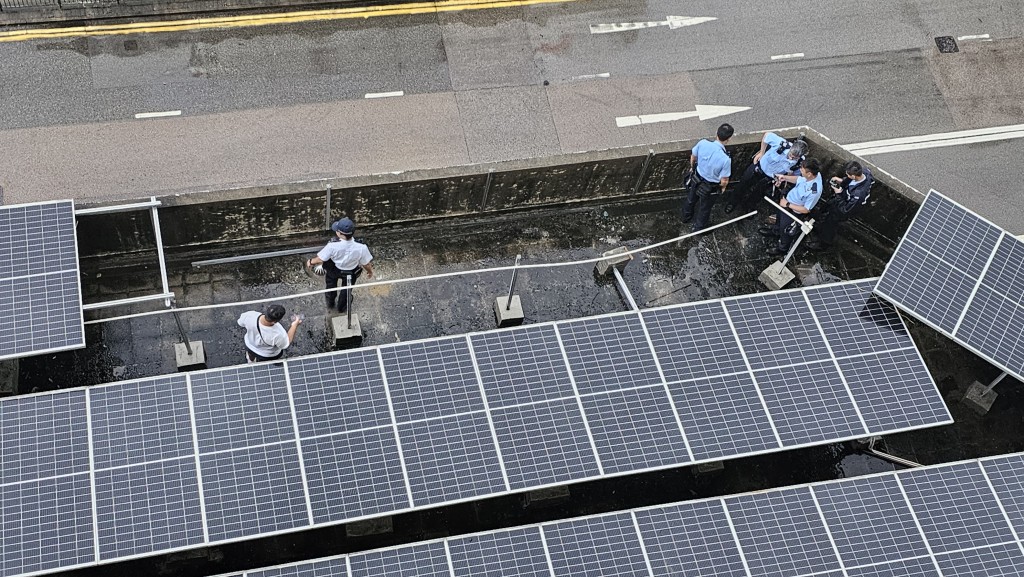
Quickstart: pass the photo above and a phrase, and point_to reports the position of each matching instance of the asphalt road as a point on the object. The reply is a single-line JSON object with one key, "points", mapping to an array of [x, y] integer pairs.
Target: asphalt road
{"points": [[287, 102]]}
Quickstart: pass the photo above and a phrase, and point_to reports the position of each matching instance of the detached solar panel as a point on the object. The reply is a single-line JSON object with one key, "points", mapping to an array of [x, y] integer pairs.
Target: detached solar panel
{"points": [[963, 276], [40, 292]]}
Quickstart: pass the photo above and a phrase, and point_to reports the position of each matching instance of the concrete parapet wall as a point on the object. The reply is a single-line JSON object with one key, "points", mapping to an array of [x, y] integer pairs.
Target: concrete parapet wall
{"points": [[268, 214]]}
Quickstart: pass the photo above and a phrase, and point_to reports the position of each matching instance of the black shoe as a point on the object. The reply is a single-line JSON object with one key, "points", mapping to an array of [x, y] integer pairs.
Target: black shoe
{"points": [[768, 231], [687, 218], [729, 208], [774, 251]]}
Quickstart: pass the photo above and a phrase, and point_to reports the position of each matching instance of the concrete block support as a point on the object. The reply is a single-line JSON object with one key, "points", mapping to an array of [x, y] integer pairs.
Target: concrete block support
{"points": [[978, 400], [379, 526], [707, 468], [545, 497], [510, 316], [8, 377], [613, 259], [344, 336], [776, 276], [187, 362]]}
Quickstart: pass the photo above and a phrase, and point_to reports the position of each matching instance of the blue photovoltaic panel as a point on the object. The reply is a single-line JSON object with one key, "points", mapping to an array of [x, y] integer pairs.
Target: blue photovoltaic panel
{"points": [[427, 560], [521, 366], [1005, 275], [781, 533], [1007, 476], [691, 539], [241, 407], [926, 286], [605, 545], [994, 325], [857, 322], [43, 313], [253, 491], [999, 561], [339, 392], [354, 474], [325, 568], [37, 238], [608, 353], [47, 525], [956, 507], [920, 567], [869, 520], [544, 443], [777, 329], [694, 341], [635, 429], [948, 231], [894, 391], [151, 507], [140, 421], [451, 458], [42, 436], [431, 379], [809, 403], [723, 416], [519, 552]]}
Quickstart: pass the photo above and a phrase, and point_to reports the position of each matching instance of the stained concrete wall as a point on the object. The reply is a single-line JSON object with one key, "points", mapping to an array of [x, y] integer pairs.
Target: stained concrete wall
{"points": [[264, 216]]}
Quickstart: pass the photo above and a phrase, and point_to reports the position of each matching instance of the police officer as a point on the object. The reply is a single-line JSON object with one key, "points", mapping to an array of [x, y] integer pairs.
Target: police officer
{"points": [[799, 200], [340, 259], [777, 156], [851, 193], [712, 168]]}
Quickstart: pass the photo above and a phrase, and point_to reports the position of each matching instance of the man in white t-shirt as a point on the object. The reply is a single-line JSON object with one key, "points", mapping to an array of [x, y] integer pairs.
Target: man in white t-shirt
{"points": [[265, 338], [342, 258]]}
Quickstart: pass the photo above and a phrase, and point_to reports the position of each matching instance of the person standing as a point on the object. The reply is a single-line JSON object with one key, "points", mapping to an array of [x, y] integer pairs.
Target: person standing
{"points": [[776, 156], [851, 193], [265, 338], [711, 168], [342, 258], [799, 200]]}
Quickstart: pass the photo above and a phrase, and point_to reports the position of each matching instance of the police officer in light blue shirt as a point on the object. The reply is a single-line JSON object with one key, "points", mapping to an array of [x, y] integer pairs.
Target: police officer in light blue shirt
{"points": [[776, 156], [799, 200], [713, 167]]}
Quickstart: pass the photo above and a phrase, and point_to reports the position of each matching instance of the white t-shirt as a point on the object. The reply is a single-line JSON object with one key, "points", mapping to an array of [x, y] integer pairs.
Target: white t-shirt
{"points": [[262, 340], [346, 254]]}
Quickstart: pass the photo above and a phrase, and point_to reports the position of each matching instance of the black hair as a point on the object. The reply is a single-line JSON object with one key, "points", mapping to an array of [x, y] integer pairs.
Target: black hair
{"points": [[725, 132], [811, 164], [274, 313], [853, 168]]}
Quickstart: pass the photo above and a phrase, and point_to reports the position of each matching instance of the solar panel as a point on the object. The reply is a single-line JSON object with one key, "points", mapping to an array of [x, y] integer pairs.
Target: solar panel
{"points": [[963, 276], [354, 474], [857, 322], [999, 561], [522, 366], [635, 429], [40, 292], [519, 552], [252, 491], [893, 390], [544, 443], [921, 567], [326, 568], [777, 329], [149, 507], [241, 407], [451, 458], [694, 341], [608, 353], [1007, 477], [431, 379], [809, 403], [42, 436], [142, 421], [606, 545], [338, 393], [692, 539], [723, 416], [427, 560]]}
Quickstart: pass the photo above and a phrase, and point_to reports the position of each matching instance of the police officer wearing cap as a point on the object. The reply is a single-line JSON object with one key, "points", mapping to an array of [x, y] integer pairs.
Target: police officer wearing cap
{"points": [[341, 258], [712, 169], [851, 193], [777, 156], [799, 200]]}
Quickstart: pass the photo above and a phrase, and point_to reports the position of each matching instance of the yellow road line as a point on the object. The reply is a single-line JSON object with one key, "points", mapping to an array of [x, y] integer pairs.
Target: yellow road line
{"points": [[266, 19]]}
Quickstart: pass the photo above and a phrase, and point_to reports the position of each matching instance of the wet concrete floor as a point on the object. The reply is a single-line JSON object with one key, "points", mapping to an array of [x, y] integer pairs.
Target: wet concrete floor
{"points": [[725, 262]]}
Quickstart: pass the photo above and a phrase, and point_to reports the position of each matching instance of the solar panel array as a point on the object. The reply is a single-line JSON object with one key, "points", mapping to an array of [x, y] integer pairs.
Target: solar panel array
{"points": [[40, 296], [964, 276], [955, 520], [154, 465]]}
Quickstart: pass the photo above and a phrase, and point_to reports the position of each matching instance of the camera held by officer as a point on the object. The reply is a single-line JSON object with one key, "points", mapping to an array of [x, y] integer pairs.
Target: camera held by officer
{"points": [[776, 156], [850, 193]]}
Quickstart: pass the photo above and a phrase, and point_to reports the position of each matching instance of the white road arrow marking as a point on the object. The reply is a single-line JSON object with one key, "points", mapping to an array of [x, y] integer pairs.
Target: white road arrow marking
{"points": [[937, 140], [673, 22], [701, 112]]}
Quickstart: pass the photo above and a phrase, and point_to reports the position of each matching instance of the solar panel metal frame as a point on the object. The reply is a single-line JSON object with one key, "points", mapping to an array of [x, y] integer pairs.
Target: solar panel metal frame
{"points": [[977, 285], [77, 280], [714, 531], [394, 424]]}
